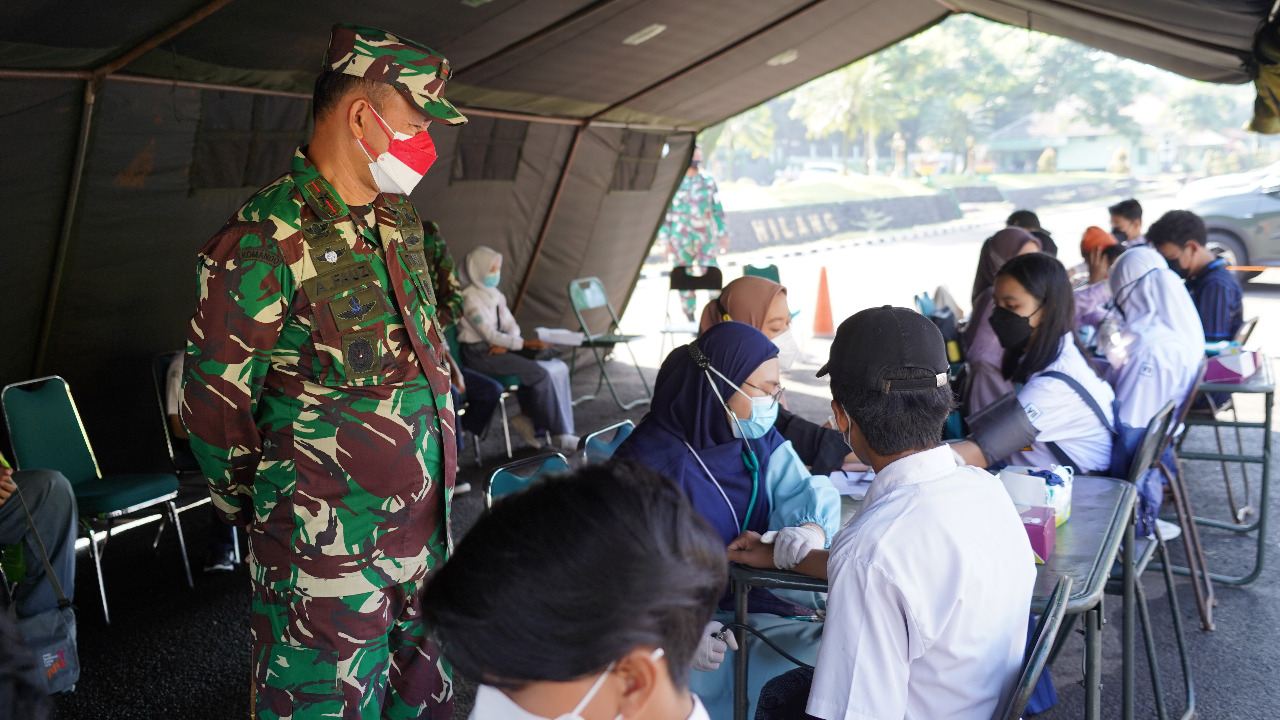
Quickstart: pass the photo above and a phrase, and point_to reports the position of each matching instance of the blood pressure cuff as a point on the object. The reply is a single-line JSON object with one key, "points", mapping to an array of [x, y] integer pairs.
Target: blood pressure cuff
{"points": [[1002, 428]]}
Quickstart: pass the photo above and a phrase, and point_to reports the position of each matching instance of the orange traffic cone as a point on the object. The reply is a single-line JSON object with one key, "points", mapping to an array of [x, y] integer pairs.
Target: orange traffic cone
{"points": [[823, 326]]}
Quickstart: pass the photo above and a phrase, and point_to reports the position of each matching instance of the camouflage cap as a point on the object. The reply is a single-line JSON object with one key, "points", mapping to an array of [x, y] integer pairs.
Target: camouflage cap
{"points": [[417, 71]]}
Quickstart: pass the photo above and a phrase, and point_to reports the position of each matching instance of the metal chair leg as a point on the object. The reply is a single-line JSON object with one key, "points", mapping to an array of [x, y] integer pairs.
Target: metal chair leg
{"points": [[1148, 639], [1188, 685], [506, 427], [182, 543], [235, 545], [1248, 509], [97, 568], [1196, 564]]}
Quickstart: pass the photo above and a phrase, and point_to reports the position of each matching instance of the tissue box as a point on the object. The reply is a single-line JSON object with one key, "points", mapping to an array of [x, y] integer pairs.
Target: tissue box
{"points": [[1028, 489], [1231, 367], [1041, 530]]}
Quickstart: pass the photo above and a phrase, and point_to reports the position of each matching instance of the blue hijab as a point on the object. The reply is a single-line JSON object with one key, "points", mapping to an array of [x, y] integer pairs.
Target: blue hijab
{"points": [[686, 410]]}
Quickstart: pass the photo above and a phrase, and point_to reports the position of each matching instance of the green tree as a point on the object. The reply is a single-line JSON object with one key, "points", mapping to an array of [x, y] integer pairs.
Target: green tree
{"points": [[750, 133], [856, 98]]}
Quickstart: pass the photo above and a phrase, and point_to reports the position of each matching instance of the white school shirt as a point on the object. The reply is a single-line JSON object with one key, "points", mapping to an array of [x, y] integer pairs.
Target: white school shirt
{"points": [[1156, 370], [1063, 417], [930, 589]]}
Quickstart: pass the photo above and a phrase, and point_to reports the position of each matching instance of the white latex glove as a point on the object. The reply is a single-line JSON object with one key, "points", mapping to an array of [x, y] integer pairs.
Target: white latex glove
{"points": [[792, 544], [710, 651]]}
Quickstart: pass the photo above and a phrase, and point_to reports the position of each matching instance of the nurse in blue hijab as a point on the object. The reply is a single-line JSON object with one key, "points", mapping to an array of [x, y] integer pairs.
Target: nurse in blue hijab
{"points": [[710, 429]]}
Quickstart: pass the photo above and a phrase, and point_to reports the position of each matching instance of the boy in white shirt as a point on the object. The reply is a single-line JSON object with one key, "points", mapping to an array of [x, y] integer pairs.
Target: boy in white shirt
{"points": [[931, 582]]}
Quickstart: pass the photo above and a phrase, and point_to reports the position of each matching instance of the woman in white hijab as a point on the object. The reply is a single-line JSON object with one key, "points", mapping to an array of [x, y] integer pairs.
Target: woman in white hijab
{"points": [[1156, 354], [490, 341]]}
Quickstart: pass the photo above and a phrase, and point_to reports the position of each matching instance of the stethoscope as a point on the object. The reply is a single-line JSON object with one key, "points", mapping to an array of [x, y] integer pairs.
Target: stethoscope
{"points": [[749, 458]]}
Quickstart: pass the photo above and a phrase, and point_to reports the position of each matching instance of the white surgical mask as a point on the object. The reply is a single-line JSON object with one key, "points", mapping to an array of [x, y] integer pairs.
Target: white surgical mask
{"points": [[788, 349], [493, 704]]}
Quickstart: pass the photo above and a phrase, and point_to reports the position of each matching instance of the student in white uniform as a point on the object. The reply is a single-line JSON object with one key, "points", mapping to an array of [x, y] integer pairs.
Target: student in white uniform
{"points": [[1159, 349], [589, 594], [931, 582], [1033, 320]]}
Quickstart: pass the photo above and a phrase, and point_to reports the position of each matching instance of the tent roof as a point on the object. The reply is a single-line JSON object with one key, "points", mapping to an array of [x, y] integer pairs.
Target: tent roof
{"points": [[568, 59]]}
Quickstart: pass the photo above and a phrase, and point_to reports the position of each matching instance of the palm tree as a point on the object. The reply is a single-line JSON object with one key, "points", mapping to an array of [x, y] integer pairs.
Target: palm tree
{"points": [[856, 98]]}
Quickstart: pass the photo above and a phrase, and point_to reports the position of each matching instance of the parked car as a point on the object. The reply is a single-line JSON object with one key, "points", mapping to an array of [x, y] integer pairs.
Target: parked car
{"points": [[1241, 212]]}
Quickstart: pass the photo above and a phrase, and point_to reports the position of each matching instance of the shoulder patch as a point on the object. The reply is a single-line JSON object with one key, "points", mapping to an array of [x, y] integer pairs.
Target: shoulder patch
{"points": [[1033, 412], [1147, 370], [258, 254]]}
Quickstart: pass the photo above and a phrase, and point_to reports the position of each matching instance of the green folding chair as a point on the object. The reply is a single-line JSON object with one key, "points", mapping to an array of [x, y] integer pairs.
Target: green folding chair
{"points": [[521, 474], [599, 445], [587, 294], [1037, 655], [45, 431], [768, 272]]}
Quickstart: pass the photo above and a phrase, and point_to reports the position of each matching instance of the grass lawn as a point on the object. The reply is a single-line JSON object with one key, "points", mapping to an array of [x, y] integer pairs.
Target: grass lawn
{"points": [[746, 195], [1024, 180]]}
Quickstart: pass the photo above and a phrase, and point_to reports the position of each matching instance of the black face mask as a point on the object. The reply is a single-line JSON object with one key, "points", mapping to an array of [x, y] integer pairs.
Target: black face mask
{"points": [[1012, 330], [1119, 234], [1176, 265], [694, 164]]}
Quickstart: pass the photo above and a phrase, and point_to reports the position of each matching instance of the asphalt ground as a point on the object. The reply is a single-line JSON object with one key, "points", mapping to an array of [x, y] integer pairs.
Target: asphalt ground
{"points": [[174, 652]]}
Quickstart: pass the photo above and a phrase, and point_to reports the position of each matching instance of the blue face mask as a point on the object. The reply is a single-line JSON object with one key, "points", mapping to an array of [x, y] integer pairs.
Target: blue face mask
{"points": [[764, 413], [491, 280]]}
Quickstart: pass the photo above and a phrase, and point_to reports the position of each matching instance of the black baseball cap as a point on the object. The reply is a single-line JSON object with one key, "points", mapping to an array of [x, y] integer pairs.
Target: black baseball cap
{"points": [[876, 341]]}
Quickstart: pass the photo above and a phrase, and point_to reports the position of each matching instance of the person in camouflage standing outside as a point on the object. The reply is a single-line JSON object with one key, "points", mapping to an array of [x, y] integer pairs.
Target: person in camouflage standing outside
{"points": [[694, 232], [316, 394]]}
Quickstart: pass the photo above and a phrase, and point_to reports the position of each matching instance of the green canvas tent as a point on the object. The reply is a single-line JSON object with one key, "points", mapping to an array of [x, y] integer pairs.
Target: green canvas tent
{"points": [[131, 131]]}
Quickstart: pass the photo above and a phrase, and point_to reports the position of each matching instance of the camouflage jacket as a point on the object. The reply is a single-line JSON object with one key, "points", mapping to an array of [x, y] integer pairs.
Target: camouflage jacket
{"points": [[314, 390], [695, 216]]}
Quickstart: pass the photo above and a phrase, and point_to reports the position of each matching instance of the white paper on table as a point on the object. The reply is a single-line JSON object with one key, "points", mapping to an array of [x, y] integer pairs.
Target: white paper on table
{"points": [[853, 484], [559, 336]]}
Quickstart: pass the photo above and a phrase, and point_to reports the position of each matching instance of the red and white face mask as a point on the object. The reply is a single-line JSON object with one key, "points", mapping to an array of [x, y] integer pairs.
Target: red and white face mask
{"points": [[406, 160]]}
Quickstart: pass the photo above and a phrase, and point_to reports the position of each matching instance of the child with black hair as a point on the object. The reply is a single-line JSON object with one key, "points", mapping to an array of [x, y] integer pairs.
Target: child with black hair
{"points": [[584, 596], [1033, 320]]}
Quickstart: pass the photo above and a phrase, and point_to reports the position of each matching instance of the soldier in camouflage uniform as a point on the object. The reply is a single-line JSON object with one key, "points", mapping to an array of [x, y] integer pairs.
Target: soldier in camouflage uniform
{"points": [[694, 233], [316, 394]]}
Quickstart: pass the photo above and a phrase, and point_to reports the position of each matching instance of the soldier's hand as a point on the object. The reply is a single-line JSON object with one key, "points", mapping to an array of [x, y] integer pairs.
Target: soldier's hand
{"points": [[7, 485], [535, 344], [496, 350]]}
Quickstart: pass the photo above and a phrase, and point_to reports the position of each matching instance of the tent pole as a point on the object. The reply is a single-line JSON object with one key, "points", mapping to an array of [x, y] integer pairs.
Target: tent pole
{"points": [[169, 32], [546, 219], [68, 222]]}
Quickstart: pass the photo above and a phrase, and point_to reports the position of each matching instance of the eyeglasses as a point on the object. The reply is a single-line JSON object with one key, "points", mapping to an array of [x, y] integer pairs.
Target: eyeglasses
{"points": [[775, 396]]}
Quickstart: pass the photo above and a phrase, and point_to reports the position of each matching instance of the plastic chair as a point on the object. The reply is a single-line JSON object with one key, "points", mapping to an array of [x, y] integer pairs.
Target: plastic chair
{"points": [[512, 477], [596, 448], [589, 294], [180, 455], [710, 280], [1038, 654], [1147, 458], [46, 432], [510, 384], [768, 272]]}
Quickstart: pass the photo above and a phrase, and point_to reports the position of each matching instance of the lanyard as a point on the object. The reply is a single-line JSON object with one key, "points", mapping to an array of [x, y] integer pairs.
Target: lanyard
{"points": [[754, 467], [715, 482]]}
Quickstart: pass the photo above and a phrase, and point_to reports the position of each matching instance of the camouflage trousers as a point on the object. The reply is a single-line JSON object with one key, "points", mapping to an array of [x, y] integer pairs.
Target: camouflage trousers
{"points": [[356, 657]]}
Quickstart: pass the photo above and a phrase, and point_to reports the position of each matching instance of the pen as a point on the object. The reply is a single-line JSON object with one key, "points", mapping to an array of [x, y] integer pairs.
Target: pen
{"points": [[5, 463]]}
